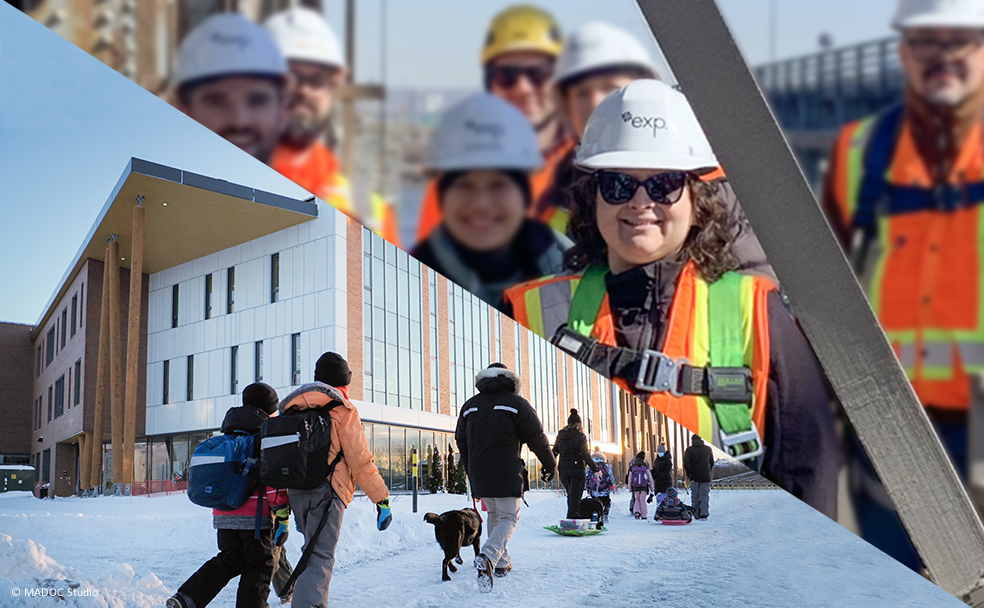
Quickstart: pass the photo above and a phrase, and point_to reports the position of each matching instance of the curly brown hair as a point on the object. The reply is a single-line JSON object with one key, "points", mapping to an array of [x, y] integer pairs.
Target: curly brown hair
{"points": [[709, 243]]}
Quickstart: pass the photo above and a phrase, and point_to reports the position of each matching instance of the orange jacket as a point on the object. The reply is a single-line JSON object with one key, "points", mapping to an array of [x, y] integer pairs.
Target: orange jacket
{"points": [[356, 465]]}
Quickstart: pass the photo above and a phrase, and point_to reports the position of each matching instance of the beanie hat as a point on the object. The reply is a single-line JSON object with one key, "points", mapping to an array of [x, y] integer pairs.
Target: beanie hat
{"points": [[261, 396], [671, 491], [641, 455], [497, 366], [521, 179], [574, 418], [661, 448], [333, 370]]}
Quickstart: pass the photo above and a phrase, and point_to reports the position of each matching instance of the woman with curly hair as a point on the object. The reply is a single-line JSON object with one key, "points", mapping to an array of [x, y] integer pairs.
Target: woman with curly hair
{"points": [[652, 299]]}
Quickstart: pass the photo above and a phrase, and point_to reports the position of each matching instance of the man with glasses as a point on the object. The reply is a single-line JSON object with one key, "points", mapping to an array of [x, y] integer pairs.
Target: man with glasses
{"points": [[521, 48], [903, 195], [314, 56]]}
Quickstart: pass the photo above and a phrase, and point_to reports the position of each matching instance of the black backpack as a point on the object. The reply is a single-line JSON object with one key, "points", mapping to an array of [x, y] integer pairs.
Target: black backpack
{"points": [[294, 449]]}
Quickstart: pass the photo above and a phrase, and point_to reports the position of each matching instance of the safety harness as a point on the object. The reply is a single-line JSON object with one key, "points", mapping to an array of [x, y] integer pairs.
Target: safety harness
{"points": [[726, 383]]}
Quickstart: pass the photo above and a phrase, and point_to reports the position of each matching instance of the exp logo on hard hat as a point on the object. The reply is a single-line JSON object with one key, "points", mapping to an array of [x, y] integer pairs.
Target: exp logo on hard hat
{"points": [[493, 129], [220, 38], [655, 123]]}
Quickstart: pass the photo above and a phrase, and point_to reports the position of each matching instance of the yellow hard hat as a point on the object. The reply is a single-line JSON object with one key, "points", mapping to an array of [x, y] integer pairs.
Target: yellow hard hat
{"points": [[522, 28]]}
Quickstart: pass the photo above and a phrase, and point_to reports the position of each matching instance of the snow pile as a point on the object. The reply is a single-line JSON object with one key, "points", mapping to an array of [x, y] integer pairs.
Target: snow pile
{"points": [[32, 578]]}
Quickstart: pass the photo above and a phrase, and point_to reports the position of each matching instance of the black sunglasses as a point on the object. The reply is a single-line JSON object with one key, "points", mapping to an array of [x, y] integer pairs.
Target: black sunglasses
{"points": [[506, 76], [618, 188]]}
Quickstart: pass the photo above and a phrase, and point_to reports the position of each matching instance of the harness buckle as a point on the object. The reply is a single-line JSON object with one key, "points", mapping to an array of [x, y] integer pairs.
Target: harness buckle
{"points": [[751, 436], [660, 374], [730, 385]]}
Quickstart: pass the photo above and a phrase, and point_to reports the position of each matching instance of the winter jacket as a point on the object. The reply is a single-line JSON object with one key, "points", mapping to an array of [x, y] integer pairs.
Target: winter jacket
{"points": [[663, 472], [600, 487], [698, 461], [248, 419], [639, 462], [492, 428], [673, 509], [356, 465], [572, 448]]}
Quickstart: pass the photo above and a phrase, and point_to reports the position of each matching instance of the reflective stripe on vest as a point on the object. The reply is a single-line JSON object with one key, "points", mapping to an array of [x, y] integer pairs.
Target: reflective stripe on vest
{"points": [[925, 286], [543, 306]]}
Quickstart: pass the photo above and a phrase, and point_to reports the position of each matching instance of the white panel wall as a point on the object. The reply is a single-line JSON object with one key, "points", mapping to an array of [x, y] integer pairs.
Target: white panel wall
{"points": [[312, 303]]}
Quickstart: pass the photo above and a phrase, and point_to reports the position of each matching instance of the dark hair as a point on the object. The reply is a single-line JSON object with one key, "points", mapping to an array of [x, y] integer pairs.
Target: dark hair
{"points": [[625, 69], [186, 90], [709, 243]]}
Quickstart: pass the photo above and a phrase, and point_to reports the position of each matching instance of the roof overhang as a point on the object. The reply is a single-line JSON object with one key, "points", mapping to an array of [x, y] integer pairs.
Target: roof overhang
{"points": [[188, 216]]}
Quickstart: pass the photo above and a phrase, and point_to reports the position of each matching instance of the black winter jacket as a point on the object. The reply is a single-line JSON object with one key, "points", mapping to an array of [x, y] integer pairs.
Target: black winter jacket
{"points": [[492, 428], [663, 472], [572, 448], [244, 418], [698, 461]]}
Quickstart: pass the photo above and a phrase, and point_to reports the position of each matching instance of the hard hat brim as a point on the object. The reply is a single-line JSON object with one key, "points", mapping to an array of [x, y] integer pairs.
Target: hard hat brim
{"points": [[478, 165], [929, 20], [644, 160]]}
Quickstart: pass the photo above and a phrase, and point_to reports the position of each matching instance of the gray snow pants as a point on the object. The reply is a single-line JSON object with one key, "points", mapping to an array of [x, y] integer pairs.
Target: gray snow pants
{"points": [[311, 589], [702, 495], [502, 522]]}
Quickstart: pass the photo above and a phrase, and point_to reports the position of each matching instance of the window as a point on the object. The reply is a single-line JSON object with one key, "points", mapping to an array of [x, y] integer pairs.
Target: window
{"points": [[258, 361], [174, 306], [81, 299], [78, 381], [234, 371], [432, 311], [50, 400], [60, 396], [64, 327], [274, 278], [230, 290], [37, 414], [295, 359], [75, 314], [208, 296], [37, 370], [167, 382], [49, 354], [191, 377]]}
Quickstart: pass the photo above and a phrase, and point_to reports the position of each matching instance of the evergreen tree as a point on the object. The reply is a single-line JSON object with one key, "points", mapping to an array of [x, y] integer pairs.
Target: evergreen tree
{"points": [[436, 480], [459, 483]]}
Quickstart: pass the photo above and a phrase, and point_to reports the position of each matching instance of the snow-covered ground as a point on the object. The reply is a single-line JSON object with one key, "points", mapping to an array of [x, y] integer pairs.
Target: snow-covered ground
{"points": [[759, 548]]}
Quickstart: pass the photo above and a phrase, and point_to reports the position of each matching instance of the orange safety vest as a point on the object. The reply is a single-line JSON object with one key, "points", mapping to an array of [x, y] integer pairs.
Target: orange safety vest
{"points": [[926, 286], [544, 305], [317, 170], [430, 208]]}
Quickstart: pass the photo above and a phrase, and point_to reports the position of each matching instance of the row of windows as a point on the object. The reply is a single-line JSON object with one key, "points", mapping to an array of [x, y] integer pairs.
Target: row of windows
{"points": [[60, 332], [57, 402], [295, 369], [230, 291], [468, 341]]}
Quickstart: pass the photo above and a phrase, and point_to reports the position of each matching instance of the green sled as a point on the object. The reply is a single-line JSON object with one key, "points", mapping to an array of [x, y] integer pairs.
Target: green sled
{"points": [[563, 532]]}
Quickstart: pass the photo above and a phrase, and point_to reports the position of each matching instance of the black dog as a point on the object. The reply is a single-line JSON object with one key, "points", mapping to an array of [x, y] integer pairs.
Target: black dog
{"points": [[454, 530]]}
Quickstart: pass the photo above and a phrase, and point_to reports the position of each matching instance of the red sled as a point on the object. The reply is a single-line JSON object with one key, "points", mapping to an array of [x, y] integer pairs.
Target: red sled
{"points": [[674, 522]]}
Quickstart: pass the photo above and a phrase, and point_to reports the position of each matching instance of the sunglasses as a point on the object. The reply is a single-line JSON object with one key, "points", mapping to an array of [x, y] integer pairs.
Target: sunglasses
{"points": [[618, 188], [506, 76]]}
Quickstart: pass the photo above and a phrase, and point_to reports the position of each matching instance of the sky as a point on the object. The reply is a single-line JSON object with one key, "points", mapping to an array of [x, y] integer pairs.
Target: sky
{"points": [[69, 124]]}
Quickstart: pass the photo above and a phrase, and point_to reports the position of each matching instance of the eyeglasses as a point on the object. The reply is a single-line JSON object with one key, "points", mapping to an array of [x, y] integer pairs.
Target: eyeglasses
{"points": [[506, 76], [618, 188], [927, 47]]}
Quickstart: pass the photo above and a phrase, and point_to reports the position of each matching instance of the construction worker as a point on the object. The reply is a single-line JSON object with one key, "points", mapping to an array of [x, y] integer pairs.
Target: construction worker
{"points": [[597, 60], [315, 59], [903, 194], [518, 59], [482, 154], [652, 301], [232, 78]]}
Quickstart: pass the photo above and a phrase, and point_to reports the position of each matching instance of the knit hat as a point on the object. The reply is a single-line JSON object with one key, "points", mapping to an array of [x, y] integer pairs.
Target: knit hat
{"points": [[661, 448], [641, 455], [333, 370], [261, 396], [520, 178], [671, 492], [573, 418], [497, 366]]}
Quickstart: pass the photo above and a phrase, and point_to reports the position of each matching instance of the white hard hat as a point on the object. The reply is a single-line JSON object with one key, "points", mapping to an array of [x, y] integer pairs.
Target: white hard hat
{"points": [[483, 132], [228, 44], [304, 35], [598, 45], [939, 13], [644, 125]]}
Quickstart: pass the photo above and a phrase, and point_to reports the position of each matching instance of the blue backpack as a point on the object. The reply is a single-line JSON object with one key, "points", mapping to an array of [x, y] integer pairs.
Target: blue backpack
{"points": [[224, 471]]}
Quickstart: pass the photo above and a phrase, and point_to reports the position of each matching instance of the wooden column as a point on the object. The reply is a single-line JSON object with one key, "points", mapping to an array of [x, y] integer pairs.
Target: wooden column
{"points": [[102, 370], [84, 457], [115, 387], [133, 342]]}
